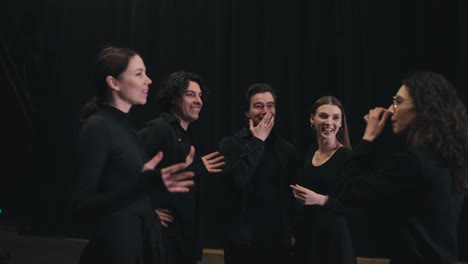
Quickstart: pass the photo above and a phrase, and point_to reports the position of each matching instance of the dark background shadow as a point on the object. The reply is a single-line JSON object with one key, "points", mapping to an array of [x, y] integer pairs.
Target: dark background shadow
{"points": [[357, 51]]}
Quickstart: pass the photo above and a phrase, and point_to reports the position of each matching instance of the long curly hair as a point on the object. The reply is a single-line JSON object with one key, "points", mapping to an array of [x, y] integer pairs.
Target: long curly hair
{"points": [[441, 121]]}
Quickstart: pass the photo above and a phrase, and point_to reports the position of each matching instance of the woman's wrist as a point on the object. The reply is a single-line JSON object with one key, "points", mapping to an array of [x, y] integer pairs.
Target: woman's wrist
{"points": [[324, 200]]}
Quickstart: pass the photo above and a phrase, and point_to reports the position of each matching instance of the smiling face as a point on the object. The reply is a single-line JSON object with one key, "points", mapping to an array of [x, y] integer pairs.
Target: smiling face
{"points": [[187, 107], [260, 105], [327, 121], [132, 86], [402, 110]]}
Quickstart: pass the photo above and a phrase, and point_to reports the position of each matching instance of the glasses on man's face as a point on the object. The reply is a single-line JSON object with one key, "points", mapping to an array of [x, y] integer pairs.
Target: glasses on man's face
{"points": [[397, 101]]}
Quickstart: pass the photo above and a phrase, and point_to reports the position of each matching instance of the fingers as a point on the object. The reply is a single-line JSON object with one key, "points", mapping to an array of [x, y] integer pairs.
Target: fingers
{"points": [[211, 155], [375, 123], [264, 127], [385, 116], [218, 165], [299, 193], [164, 211], [182, 176], [213, 162], [298, 187], [165, 215], [150, 165], [271, 122], [378, 114], [178, 189], [175, 180], [174, 168], [218, 160], [181, 186], [215, 159], [268, 119], [189, 158]]}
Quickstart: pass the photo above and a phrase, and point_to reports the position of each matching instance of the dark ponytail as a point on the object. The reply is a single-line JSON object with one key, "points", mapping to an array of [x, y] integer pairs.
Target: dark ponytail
{"points": [[111, 61]]}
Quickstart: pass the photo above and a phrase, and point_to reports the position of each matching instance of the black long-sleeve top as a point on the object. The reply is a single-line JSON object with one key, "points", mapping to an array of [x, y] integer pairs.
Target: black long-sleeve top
{"points": [[258, 198], [415, 188], [322, 235], [110, 163], [110, 186]]}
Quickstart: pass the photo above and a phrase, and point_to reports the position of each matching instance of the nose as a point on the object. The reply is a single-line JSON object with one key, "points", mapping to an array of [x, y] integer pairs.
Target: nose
{"points": [[198, 99], [391, 108], [149, 81]]}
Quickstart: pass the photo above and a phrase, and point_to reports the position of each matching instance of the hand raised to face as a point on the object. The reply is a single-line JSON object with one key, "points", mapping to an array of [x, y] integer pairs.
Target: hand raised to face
{"points": [[375, 123], [263, 129]]}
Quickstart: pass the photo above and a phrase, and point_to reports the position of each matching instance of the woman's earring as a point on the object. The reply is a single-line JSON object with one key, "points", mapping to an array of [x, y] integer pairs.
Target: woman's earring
{"points": [[312, 126]]}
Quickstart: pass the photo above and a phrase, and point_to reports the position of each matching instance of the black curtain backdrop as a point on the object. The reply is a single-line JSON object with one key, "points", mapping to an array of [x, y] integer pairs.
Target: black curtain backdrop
{"points": [[355, 50]]}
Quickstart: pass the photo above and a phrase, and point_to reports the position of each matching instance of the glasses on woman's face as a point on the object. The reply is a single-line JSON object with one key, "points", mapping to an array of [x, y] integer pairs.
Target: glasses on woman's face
{"points": [[398, 100]]}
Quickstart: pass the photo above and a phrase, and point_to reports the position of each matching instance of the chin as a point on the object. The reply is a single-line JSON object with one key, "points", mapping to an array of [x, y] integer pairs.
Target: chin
{"points": [[396, 131]]}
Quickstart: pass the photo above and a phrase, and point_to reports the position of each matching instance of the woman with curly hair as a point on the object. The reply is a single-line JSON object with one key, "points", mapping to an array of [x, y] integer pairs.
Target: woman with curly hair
{"points": [[420, 188]]}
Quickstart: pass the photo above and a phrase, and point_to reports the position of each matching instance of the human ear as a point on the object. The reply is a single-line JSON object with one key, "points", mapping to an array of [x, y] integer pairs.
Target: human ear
{"points": [[112, 83]]}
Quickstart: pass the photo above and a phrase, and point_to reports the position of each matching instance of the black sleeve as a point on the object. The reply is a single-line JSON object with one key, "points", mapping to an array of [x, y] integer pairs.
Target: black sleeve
{"points": [[93, 153], [197, 166], [364, 187], [155, 138], [241, 158]]}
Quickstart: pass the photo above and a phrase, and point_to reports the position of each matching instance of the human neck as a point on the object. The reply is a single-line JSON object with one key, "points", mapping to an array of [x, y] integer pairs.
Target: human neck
{"points": [[328, 146], [184, 124], [326, 149], [119, 104]]}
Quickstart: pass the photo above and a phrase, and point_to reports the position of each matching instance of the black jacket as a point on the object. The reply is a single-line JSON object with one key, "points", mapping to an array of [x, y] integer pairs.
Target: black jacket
{"points": [[243, 153], [165, 134], [415, 189]]}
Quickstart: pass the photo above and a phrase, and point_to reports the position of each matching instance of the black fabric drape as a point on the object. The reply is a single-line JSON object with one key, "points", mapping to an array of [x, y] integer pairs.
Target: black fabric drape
{"points": [[357, 51]]}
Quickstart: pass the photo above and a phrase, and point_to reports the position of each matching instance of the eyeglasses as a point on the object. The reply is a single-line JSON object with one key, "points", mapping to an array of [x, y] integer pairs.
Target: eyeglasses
{"points": [[397, 101]]}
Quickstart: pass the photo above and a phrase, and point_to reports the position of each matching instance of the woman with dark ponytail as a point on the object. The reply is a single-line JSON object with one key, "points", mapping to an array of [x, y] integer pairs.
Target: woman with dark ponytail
{"points": [[115, 176]]}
